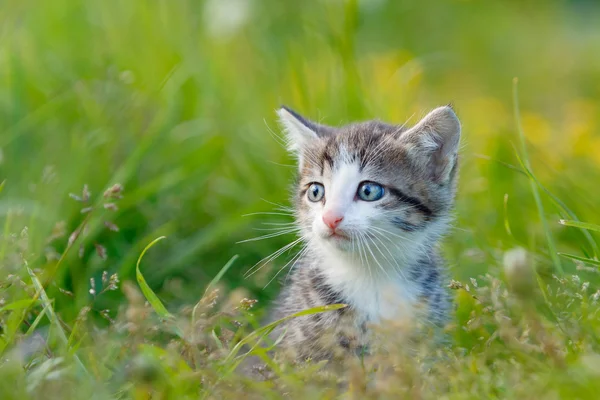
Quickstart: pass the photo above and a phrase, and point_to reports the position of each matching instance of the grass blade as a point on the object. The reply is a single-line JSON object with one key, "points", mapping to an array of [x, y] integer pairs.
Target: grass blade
{"points": [[260, 333], [212, 283], [222, 272], [582, 225], [54, 320], [152, 298], [265, 330], [48, 304], [36, 322], [557, 202], [534, 187], [506, 222], [18, 305], [579, 258]]}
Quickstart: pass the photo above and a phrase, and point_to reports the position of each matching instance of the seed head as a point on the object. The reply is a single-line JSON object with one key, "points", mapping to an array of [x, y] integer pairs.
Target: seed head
{"points": [[111, 226], [92, 287], [101, 251], [111, 206], [85, 194], [114, 192], [247, 304], [455, 285]]}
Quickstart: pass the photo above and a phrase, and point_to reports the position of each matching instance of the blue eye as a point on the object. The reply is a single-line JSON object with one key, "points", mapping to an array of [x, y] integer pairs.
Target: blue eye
{"points": [[315, 192], [370, 191]]}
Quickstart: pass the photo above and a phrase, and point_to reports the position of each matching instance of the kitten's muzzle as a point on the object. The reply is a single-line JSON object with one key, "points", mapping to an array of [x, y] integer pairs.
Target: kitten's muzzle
{"points": [[332, 219]]}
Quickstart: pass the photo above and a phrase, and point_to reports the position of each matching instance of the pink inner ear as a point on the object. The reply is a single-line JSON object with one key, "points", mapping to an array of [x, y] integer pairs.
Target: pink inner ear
{"points": [[435, 141]]}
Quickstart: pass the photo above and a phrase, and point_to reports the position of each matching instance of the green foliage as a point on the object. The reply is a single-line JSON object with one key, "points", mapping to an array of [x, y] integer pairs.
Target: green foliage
{"points": [[121, 122], [154, 301]]}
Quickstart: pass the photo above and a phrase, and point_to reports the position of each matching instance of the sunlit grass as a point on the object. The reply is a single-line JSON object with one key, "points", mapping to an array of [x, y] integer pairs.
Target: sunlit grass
{"points": [[156, 117]]}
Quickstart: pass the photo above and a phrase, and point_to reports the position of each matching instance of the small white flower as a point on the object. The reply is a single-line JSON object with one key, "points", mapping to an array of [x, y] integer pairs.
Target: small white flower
{"points": [[585, 286], [223, 18], [518, 270]]}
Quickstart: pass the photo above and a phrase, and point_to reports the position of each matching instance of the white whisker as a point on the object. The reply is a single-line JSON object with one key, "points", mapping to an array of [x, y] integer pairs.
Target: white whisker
{"points": [[294, 260], [393, 259], [268, 236], [280, 207], [259, 265], [269, 213], [279, 223], [376, 151], [362, 244], [274, 135], [395, 234], [375, 258], [273, 229], [401, 127]]}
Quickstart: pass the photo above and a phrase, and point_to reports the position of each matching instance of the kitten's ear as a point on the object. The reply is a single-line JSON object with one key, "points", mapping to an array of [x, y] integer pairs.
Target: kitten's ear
{"points": [[433, 143], [299, 131]]}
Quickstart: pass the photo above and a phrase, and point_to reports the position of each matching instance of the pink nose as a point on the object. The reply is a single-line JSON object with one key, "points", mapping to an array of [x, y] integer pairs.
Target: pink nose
{"points": [[332, 219]]}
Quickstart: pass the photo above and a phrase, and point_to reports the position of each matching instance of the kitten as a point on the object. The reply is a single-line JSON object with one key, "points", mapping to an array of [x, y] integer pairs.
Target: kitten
{"points": [[372, 201]]}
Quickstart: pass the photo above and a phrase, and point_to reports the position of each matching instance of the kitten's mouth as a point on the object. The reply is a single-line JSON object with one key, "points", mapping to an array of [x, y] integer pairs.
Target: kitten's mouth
{"points": [[336, 235]]}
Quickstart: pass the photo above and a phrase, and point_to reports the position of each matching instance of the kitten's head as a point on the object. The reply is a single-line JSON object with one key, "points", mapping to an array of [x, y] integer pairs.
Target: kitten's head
{"points": [[372, 181]]}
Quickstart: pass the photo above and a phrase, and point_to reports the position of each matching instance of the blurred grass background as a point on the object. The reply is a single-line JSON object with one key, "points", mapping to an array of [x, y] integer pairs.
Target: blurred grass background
{"points": [[175, 101]]}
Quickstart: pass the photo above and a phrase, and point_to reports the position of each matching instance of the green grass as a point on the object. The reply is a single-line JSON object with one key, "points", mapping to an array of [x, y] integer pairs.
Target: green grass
{"points": [[173, 102]]}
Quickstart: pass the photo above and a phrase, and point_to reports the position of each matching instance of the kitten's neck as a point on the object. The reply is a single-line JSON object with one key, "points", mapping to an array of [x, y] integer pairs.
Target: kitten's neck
{"points": [[375, 284]]}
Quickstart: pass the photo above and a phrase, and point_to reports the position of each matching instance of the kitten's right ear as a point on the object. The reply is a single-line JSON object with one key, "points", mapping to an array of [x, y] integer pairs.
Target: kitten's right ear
{"points": [[433, 143], [299, 131]]}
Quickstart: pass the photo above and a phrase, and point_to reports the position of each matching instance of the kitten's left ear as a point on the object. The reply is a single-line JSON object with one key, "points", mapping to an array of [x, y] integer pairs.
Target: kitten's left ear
{"points": [[433, 143], [300, 131]]}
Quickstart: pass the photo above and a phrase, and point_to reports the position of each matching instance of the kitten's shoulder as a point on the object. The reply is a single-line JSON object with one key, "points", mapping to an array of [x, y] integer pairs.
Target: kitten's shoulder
{"points": [[431, 277], [305, 288]]}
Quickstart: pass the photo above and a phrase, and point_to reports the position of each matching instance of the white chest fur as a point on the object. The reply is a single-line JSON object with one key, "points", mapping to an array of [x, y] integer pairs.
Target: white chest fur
{"points": [[375, 292]]}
